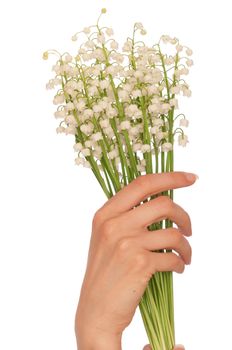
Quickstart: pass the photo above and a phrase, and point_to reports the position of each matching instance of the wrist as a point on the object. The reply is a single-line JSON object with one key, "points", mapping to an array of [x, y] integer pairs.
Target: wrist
{"points": [[96, 339]]}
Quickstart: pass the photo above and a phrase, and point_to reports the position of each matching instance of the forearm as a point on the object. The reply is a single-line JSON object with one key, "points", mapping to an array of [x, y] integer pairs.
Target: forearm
{"points": [[97, 340]]}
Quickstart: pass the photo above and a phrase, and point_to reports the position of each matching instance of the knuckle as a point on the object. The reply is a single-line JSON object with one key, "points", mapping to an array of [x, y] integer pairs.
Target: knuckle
{"points": [[98, 217], [166, 202], [107, 229], [123, 245], [141, 260], [142, 181], [177, 236]]}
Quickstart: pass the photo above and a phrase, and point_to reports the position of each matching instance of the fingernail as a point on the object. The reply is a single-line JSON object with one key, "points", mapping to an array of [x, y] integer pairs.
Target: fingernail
{"points": [[179, 347], [191, 176]]}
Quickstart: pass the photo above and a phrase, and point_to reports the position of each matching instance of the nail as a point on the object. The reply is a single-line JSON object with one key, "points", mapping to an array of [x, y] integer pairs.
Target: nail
{"points": [[191, 176]]}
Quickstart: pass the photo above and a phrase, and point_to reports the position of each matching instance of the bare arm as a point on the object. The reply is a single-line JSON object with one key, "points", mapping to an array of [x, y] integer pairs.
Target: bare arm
{"points": [[121, 261]]}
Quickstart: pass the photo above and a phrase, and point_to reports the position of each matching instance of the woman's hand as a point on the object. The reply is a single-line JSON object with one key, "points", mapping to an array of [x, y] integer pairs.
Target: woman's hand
{"points": [[121, 261]]}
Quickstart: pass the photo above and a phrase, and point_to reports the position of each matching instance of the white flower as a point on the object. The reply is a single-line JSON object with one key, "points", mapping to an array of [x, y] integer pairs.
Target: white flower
{"points": [[166, 146], [160, 135], [70, 119], [179, 48], [104, 84], [189, 62], [153, 108], [60, 114], [60, 129], [184, 71], [186, 92], [87, 113], [125, 125], [77, 147], [123, 95], [109, 31], [50, 85], [158, 122], [71, 129], [74, 38], [157, 75], [117, 57], [174, 102], [85, 152], [138, 25], [69, 106], [111, 112], [145, 148], [104, 123], [79, 161], [58, 99], [86, 128], [136, 147], [152, 89], [183, 140], [184, 122], [175, 89], [97, 108], [86, 30], [136, 93], [128, 87], [132, 110], [127, 47], [89, 143], [114, 45], [109, 132], [90, 44], [57, 68], [143, 32], [92, 90], [97, 136], [134, 131], [138, 74], [165, 107], [148, 78], [80, 106], [154, 130], [57, 81], [166, 38], [111, 70], [189, 52], [68, 58], [113, 154]]}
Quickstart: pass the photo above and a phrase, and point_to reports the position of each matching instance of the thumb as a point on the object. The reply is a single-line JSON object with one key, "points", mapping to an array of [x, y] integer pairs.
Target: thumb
{"points": [[147, 347]]}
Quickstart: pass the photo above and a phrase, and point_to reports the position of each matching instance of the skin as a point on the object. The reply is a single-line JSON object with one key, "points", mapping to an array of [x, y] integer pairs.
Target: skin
{"points": [[121, 262]]}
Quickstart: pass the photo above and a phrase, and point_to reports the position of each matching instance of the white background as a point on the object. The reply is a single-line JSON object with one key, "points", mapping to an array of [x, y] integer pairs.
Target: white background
{"points": [[47, 202]]}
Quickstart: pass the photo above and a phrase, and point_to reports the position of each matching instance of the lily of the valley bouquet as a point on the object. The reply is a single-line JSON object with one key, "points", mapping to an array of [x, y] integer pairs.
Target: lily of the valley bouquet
{"points": [[120, 106]]}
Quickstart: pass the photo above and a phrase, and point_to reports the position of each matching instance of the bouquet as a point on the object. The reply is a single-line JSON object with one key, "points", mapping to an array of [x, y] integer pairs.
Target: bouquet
{"points": [[120, 106]]}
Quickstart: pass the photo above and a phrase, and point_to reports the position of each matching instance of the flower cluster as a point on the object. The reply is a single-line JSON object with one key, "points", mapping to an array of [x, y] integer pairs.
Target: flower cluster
{"points": [[119, 104]]}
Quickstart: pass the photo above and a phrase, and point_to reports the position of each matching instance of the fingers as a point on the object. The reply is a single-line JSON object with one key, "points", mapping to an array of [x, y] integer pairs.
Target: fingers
{"points": [[156, 210], [143, 187], [159, 262], [170, 238]]}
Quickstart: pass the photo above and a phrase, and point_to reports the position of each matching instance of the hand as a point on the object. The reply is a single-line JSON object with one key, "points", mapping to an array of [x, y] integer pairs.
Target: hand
{"points": [[121, 261]]}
